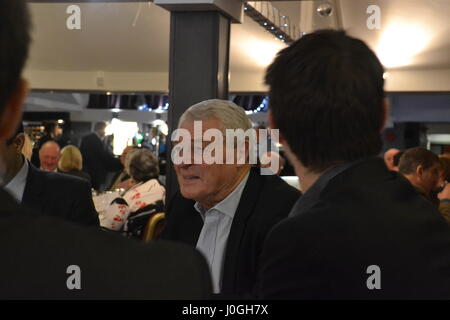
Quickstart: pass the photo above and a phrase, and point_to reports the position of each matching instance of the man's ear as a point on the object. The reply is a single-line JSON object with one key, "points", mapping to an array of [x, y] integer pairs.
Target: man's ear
{"points": [[12, 113], [273, 125], [19, 141], [386, 112], [419, 171]]}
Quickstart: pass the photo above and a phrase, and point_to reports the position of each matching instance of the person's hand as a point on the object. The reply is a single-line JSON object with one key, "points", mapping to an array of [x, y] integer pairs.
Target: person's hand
{"points": [[445, 194]]}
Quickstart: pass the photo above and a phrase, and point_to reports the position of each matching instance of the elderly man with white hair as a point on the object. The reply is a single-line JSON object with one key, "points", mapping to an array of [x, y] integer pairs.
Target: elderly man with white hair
{"points": [[225, 209]]}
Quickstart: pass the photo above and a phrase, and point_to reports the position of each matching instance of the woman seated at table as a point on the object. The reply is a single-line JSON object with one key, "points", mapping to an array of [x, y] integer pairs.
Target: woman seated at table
{"points": [[71, 162], [143, 169]]}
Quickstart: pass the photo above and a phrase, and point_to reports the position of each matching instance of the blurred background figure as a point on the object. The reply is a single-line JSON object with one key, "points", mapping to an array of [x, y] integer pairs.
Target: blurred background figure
{"points": [[148, 192], [97, 160], [71, 162], [121, 178], [421, 167], [444, 194], [389, 158], [52, 133], [49, 155], [27, 149], [445, 167]]}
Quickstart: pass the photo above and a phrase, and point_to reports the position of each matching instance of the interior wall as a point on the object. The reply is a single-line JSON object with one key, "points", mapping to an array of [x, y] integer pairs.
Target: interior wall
{"points": [[398, 80]]}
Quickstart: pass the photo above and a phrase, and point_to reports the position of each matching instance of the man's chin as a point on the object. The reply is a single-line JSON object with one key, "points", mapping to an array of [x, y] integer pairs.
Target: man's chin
{"points": [[189, 193]]}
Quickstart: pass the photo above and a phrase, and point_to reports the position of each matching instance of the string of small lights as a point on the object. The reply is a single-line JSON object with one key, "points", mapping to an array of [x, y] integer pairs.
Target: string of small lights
{"points": [[272, 20]]}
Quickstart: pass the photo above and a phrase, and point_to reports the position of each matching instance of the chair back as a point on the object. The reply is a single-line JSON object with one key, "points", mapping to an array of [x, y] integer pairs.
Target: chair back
{"points": [[154, 227]]}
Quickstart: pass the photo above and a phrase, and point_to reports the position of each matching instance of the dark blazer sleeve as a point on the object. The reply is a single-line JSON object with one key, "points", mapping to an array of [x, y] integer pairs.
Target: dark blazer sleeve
{"points": [[83, 209], [60, 195]]}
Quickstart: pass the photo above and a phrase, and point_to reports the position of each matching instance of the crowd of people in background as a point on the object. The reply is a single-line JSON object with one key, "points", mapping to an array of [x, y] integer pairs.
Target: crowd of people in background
{"points": [[427, 172]]}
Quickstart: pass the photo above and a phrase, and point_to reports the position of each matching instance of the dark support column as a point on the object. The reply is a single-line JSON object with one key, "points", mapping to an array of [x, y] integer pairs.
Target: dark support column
{"points": [[199, 64]]}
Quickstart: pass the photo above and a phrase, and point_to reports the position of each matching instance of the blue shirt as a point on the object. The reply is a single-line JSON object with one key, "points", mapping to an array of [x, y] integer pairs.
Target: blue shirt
{"points": [[212, 241]]}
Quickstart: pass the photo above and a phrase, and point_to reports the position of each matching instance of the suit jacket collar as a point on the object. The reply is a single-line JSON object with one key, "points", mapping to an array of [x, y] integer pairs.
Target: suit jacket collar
{"points": [[361, 172], [244, 210], [8, 204], [32, 195]]}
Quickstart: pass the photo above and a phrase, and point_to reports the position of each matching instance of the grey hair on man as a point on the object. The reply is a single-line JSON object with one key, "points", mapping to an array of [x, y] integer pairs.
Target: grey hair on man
{"points": [[228, 113], [142, 165]]}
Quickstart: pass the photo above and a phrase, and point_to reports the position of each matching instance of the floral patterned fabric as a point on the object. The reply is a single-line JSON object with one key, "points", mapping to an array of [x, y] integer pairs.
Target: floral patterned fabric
{"points": [[136, 198]]}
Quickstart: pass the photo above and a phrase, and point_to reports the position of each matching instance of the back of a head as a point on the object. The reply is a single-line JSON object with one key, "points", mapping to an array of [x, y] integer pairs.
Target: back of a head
{"points": [[14, 45], [71, 159], [326, 96], [142, 165], [414, 157], [229, 114], [99, 126], [50, 127]]}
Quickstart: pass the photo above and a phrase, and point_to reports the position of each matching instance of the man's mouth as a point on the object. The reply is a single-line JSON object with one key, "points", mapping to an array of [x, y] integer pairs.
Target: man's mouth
{"points": [[191, 178]]}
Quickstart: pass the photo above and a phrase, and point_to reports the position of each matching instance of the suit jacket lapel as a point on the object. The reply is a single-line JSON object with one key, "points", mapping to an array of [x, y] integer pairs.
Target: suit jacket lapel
{"points": [[245, 209], [32, 194]]}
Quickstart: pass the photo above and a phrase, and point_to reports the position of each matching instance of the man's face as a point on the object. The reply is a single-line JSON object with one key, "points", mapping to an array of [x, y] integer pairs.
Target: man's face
{"points": [[430, 177], [49, 157], [205, 183], [389, 158], [57, 131], [101, 132]]}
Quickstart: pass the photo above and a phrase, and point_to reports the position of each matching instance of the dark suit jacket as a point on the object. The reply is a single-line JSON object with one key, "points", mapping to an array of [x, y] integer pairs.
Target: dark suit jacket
{"points": [[60, 195], [366, 215], [265, 201], [37, 250], [96, 160], [79, 174]]}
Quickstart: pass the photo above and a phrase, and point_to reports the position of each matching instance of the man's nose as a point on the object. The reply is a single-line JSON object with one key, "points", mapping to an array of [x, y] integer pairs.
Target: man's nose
{"points": [[183, 166]]}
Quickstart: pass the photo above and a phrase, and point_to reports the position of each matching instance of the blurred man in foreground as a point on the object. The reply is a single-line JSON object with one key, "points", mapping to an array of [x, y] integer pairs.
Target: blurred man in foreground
{"points": [[44, 258]]}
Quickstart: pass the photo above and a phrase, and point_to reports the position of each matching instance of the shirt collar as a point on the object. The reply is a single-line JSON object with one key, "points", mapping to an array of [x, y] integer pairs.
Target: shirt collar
{"points": [[17, 185], [227, 206]]}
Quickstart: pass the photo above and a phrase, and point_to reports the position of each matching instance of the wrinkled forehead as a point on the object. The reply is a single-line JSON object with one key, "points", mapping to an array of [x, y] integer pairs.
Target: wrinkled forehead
{"points": [[51, 150]]}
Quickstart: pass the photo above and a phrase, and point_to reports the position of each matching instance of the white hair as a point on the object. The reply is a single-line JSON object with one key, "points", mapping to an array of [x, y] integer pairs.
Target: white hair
{"points": [[229, 114]]}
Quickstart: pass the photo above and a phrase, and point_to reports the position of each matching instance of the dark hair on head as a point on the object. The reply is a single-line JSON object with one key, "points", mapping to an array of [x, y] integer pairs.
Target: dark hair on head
{"points": [[414, 157], [326, 96], [445, 165], [14, 43], [396, 158], [143, 165], [99, 125], [18, 130], [50, 127]]}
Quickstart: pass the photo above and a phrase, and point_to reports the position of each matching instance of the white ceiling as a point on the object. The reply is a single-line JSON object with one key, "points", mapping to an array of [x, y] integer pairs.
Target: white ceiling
{"points": [[417, 30], [133, 37], [128, 37]]}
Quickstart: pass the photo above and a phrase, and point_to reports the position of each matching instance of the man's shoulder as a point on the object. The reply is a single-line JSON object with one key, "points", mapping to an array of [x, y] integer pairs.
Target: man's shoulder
{"points": [[58, 183], [61, 178], [51, 245], [89, 138], [273, 187]]}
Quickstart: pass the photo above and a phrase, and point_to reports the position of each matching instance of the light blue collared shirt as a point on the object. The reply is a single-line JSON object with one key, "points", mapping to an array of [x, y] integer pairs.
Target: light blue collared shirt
{"points": [[213, 238], [17, 185]]}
